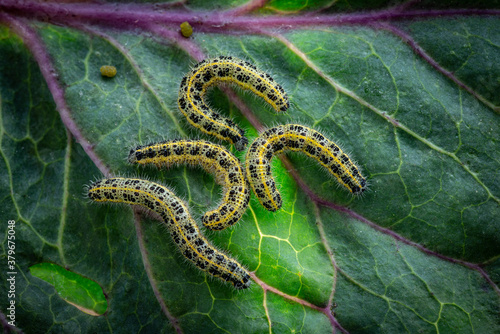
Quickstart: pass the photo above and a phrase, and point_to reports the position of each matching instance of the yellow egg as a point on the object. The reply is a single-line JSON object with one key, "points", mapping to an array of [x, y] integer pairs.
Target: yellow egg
{"points": [[186, 29], [108, 71]]}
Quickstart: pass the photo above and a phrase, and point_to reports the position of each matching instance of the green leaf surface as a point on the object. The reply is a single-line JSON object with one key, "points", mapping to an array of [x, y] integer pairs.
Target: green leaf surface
{"points": [[412, 98], [79, 291]]}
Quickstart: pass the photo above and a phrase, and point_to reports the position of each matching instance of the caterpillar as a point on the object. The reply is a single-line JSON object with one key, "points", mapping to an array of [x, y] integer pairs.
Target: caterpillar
{"points": [[182, 227], [225, 69], [108, 71], [214, 159], [297, 137]]}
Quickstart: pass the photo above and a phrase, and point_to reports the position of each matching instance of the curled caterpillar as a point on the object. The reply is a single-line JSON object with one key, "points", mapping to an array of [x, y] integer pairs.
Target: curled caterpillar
{"points": [[214, 159], [296, 137], [225, 69], [182, 227]]}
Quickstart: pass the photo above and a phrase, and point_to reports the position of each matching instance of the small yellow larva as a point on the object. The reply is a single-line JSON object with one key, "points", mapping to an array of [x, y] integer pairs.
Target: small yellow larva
{"points": [[214, 159], [108, 71], [183, 229], [297, 137], [225, 69], [186, 29]]}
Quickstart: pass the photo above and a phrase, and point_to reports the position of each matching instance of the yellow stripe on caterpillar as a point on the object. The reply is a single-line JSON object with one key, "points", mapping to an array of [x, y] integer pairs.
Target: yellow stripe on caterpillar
{"points": [[183, 229], [214, 159], [295, 137], [225, 69]]}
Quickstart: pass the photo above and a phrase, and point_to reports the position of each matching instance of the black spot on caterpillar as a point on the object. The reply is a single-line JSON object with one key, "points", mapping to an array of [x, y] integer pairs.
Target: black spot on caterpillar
{"points": [[296, 137], [225, 69], [214, 159], [183, 229]]}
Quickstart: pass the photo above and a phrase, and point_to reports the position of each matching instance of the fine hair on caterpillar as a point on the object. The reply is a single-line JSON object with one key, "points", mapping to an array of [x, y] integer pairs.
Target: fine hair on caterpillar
{"points": [[183, 229], [225, 70], [296, 137], [215, 160]]}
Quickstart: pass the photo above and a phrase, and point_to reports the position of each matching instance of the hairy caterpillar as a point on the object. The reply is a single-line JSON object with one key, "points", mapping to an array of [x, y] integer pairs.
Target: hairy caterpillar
{"points": [[225, 69], [296, 137], [214, 159], [108, 71], [181, 225]]}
